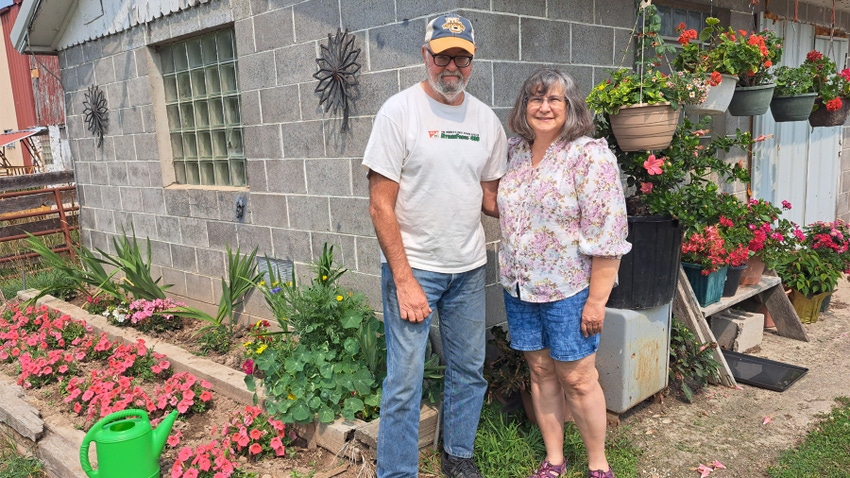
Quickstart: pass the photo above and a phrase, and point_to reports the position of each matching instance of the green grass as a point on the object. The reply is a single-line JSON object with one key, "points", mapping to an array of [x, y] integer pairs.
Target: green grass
{"points": [[509, 446], [825, 452], [15, 465], [35, 279]]}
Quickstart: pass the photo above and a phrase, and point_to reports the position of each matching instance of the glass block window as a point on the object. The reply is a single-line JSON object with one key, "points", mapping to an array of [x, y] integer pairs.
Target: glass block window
{"points": [[202, 103], [671, 17]]}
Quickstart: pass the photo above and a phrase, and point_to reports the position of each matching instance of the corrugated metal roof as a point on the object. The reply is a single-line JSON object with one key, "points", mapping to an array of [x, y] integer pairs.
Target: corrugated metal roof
{"points": [[54, 25], [8, 138]]}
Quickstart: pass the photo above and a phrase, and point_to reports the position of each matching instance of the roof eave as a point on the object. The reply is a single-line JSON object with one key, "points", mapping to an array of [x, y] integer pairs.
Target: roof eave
{"points": [[39, 25]]}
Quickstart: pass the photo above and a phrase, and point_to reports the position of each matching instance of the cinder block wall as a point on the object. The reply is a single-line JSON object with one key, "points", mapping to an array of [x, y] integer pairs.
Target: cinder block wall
{"points": [[305, 183]]}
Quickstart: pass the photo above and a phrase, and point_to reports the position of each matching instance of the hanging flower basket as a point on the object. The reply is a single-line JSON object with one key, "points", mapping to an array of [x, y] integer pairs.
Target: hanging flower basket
{"points": [[644, 127], [792, 108], [823, 117], [717, 98], [751, 100]]}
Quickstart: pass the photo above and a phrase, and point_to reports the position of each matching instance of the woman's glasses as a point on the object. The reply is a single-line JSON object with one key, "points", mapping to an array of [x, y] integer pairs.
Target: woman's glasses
{"points": [[554, 101]]}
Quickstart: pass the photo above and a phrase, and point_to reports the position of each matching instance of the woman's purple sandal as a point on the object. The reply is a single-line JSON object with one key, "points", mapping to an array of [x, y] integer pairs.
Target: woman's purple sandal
{"points": [[548, 470], [601, 474]]}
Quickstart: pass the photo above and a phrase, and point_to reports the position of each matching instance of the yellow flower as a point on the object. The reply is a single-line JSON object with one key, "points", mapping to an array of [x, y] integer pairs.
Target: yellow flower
{"points": [[339, 298], [600, 87], [291, 396], [275, 283], [324, 277], [247, 344], [289, 284], [262, 283], [262, 348], [259, 323]]}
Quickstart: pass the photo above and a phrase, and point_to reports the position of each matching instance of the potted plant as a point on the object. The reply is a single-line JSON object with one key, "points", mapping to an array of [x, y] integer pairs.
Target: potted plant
{"points": [[642, 106], [832, 240], [794, 95], [832, 88], [666, 192], [698, 57], [747, 55], [757, 53], [704, 260], [811, 276], [772, 239]]}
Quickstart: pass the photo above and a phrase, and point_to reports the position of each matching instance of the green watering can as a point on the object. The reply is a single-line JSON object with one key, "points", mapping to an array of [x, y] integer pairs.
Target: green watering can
{"points": [[126, 447]]}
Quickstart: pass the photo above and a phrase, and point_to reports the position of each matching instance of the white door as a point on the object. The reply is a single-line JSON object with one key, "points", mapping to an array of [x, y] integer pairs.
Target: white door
{"points": [[799, 163]]}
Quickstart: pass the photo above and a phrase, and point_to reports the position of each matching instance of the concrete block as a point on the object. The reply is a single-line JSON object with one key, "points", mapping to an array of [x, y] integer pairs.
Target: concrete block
{"points": [[315, 19], [286, 176], [274, 30], [295, 64], [351, 216], [17, 413], [262, 142], [737, 330], [184, 258], [544, 40], [289, 244], [428, 422], [131, 199], [309, 213], [104, 71], [581, 12], [600, 51], [360, 14], [397, 45], [502, 31], [535, 8], [417, 8], [303, 140], [258, 70], [280, 104], [117, 174], [85, 75]]}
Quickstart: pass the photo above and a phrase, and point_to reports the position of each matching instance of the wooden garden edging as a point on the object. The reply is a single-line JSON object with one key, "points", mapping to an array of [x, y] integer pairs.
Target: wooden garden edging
{"points": [[335, 437]]}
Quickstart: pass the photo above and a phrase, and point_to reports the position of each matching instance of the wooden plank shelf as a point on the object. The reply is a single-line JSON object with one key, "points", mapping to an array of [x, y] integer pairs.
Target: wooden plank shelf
{"points": [[744, 292], [770, 291]]}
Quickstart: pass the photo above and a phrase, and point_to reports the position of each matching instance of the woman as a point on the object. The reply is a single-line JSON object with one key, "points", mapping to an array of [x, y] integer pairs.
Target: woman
{"points": [[563, 220]]}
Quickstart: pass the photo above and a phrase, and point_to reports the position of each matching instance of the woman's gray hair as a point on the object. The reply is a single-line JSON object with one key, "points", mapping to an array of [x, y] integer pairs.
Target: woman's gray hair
{"points": [[579, 120]]}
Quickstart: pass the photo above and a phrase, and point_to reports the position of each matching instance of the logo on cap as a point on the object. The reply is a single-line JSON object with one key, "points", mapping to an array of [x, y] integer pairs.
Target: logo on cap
{"points": [[454, 25]]}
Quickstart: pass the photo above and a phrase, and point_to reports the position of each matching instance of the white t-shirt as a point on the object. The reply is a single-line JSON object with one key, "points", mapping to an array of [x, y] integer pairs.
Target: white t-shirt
{"points": [[439, 155]]}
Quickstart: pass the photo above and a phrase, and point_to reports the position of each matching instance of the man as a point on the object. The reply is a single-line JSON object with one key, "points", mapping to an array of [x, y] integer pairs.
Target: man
{"points": [[435, 157]]}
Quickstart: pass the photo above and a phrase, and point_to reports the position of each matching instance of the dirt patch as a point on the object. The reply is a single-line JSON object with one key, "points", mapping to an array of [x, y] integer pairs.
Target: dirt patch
{"points": [[747, 428]]}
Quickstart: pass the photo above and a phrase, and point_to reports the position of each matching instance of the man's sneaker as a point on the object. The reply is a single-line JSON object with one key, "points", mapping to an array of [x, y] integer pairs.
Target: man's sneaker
{"points": [[454, 467], [548, 470], [601, 474]]}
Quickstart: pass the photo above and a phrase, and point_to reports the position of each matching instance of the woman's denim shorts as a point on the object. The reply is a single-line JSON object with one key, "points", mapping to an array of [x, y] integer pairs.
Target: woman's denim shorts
{"points": [[550, 325]]}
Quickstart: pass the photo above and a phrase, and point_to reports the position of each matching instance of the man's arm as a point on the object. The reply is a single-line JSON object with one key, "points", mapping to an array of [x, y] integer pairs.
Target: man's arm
{"points": [[488, 205], [412, 302]]}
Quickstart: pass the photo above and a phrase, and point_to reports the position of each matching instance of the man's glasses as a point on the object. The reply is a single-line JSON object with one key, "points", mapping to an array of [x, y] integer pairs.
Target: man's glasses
{"points": [[554, 101], [461, 61]]}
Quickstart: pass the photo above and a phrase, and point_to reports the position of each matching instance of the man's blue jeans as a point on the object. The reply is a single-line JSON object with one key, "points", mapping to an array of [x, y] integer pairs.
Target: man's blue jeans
{"points": [[459, 300]]}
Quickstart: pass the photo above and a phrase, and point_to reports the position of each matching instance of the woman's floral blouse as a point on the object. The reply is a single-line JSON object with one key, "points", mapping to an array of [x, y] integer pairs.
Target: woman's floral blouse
{"points": [[556, 217]]}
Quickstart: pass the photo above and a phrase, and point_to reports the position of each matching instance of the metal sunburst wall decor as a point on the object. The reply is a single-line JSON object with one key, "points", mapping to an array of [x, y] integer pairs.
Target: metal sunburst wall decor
{"points": [[96, 113], [337, 73]]}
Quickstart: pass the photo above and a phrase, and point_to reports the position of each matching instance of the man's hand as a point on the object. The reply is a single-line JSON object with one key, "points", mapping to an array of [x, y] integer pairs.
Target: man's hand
{"points": [[412, 302]]}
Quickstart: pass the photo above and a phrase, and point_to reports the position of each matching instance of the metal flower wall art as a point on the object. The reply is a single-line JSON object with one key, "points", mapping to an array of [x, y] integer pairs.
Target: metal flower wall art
{"points": [[337, 74], [96, 113]]}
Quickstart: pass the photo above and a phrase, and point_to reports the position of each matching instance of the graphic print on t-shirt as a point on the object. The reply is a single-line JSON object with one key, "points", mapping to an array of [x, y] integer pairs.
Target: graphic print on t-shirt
{"points": [[454, 135]]}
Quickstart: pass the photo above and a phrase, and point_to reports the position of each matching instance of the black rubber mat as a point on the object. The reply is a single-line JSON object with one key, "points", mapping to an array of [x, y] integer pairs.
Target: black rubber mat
{"points": [[761, 372]]}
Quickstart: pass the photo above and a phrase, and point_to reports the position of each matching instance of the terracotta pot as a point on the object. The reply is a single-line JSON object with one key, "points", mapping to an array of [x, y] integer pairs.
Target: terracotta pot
{"points": [[644, 127], [717, 98], [752, 274]]}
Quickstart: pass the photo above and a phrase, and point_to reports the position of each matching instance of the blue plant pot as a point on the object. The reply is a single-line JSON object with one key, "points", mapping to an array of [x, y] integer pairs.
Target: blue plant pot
{"points": [[707, 289]]}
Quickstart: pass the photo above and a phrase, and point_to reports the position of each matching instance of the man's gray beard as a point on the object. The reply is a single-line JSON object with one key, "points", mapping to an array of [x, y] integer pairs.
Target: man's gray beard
{"points": [[450, 92]]}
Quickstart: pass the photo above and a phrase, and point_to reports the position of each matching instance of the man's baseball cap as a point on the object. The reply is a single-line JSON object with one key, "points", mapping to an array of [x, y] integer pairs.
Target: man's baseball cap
{"points": [[450, 31]]}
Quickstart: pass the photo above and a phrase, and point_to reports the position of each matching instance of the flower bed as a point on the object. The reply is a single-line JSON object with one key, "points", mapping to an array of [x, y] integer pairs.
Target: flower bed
{"points": [[229, 386], [99, 374]]}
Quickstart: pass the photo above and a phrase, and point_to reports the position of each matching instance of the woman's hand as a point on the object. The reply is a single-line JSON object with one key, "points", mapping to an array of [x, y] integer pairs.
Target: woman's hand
{"points": [[592, 317]]}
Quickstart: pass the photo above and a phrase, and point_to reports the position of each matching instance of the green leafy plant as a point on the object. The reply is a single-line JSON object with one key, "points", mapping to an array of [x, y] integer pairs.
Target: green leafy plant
{"points": [[793, 81], [135, 267], [647, 85], [749, 55], [811, 273], [327, 359], [242, 276], [89, 272], [682, 179], [508, 373], [692, 364], [832, 87]]}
